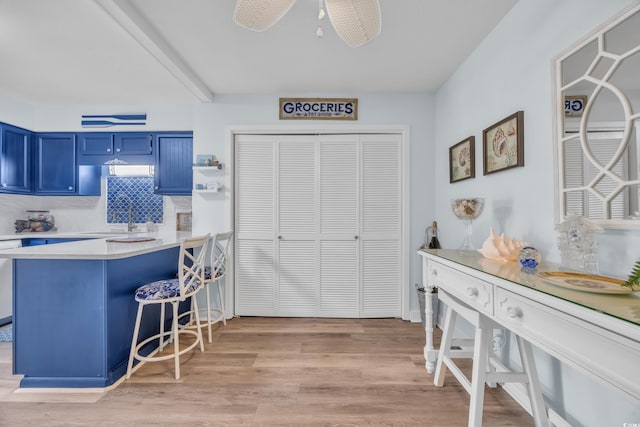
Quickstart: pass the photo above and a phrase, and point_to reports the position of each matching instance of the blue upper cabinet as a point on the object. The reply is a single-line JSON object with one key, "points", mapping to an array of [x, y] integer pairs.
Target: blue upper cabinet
{"points": [[16, 148], [56, 164], [173, 165], [133, 143], [96, 143], [132, 147]]}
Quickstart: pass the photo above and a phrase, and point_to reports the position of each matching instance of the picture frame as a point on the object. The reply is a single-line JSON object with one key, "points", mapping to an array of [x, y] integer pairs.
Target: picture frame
{"points": [[503, 144], [183, 221], [462, 160]]}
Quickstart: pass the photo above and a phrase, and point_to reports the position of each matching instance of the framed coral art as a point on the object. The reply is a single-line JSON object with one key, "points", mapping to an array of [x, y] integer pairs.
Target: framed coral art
{"points": [[462, 160], [503, 144]]}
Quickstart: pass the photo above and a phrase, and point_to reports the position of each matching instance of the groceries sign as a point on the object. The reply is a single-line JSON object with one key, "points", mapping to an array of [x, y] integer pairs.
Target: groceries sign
{"points": [[318, 109]]}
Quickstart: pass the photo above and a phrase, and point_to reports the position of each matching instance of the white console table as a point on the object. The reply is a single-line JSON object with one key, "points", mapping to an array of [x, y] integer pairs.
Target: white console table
{"points": [[596, 333]]}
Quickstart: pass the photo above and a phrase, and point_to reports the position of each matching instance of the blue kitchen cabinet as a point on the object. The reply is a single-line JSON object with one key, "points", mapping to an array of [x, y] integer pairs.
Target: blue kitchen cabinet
{"points": [[173, 163], [96, 143], [16, 148], [56, 164], [131, 147], [38, 241]]}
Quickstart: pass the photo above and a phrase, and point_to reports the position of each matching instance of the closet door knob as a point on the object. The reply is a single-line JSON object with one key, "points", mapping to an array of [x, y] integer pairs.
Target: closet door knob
{"points": [[355, 237]]}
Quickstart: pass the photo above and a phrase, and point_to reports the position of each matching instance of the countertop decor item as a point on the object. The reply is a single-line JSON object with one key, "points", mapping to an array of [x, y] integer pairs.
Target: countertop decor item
{"points": [[502, 248], [529, 259], [37, 221], [633, 282], [431, 240], [467, 209], [586, 282], [577, 243]]}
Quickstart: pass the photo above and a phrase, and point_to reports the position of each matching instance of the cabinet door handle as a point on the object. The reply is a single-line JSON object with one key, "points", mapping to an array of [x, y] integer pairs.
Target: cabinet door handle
{"points": [[117, 150], [70, 188], [514, 312], [279, 237], [108, 150]]}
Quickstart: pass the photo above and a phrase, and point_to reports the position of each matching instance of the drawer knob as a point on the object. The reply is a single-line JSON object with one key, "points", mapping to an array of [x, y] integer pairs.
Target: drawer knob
{"points": [[514, 312], [472, 292]]}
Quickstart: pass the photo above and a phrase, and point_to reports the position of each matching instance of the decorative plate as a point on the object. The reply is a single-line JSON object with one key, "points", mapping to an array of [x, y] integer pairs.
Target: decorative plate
{"points": [[586, 282]]}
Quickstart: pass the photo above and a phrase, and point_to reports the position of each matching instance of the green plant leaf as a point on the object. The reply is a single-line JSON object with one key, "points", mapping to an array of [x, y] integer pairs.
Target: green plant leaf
{"points": [[634, 277]]}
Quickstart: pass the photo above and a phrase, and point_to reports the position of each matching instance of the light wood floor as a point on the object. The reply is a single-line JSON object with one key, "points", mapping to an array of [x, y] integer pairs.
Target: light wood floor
{"points": [[274, 371]]}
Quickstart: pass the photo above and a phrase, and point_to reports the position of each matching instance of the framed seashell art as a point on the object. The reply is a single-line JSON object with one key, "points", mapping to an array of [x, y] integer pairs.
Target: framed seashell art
{"points": [[462, 160], [503, 144]]}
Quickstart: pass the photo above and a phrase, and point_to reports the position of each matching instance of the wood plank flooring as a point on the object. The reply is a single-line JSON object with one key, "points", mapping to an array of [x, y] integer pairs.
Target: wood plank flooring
{"points": [[274, 372]]}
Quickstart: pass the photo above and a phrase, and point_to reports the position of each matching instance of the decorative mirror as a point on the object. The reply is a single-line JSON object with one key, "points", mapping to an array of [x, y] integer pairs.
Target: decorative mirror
{"points": [[597, 117]]}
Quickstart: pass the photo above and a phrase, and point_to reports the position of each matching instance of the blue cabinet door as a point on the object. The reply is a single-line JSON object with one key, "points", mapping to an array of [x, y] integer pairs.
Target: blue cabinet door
{"points": [[133, 143], [15, 159], [173, 165], [56, 165], [95, 143], [129, 147]]}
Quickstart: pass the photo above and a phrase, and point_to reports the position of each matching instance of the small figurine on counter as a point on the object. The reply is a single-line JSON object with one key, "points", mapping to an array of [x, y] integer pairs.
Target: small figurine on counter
{"points": [[32, 226]]}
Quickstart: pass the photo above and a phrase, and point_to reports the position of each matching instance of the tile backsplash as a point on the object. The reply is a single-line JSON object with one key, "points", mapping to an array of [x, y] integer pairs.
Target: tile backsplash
{"points": [[144, 203]]}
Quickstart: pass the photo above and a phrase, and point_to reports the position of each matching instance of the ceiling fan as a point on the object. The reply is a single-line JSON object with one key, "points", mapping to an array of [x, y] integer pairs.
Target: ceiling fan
{"points": [[356, 21]]}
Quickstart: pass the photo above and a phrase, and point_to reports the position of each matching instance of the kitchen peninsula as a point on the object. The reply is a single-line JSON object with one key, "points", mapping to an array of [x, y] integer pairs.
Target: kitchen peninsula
{"points": [[73, 305]]}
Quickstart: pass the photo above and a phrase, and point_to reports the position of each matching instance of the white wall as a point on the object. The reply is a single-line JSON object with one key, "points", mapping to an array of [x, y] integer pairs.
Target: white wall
{"points": [[511, 71], [212, 122]]}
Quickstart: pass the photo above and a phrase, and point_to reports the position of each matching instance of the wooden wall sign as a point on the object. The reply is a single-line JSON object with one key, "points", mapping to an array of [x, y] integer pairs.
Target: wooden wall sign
{"points": [[574, 105], [318, 109]]}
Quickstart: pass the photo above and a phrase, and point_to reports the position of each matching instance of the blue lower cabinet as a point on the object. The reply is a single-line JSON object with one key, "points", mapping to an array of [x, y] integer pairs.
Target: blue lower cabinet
{"points": [[37, 241], [74, 319]]}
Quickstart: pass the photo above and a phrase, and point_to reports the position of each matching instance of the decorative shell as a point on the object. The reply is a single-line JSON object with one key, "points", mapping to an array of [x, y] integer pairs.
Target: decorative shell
{"points": [[501, 248]]}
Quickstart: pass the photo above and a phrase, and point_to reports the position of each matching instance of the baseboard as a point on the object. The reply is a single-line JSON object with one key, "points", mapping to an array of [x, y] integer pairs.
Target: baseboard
{"points": [[414, 316]]}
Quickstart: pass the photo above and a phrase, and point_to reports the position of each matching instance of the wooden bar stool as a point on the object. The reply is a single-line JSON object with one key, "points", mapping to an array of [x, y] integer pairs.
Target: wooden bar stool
{"points": [[482, 369], [172, 291]]}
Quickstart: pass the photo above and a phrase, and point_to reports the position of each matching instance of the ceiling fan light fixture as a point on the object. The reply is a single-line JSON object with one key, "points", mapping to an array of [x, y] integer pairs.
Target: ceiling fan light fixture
{"points": [[259, 15], [357, 22]]}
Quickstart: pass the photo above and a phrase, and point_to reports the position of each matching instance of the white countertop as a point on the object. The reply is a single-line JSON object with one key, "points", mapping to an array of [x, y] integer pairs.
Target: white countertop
{"points": [[95, 246]]}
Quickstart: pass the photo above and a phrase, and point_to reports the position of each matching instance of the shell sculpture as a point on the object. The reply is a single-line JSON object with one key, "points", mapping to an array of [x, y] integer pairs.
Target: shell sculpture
{"points": [[501, 248]]}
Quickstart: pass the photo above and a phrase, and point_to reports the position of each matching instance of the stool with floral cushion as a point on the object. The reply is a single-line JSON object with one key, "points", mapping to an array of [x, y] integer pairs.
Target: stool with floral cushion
{"points": [[213, 276], [190, 280]]}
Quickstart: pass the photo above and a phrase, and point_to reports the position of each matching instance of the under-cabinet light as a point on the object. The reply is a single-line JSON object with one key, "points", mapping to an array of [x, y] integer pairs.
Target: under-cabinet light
{"points": [[131, 170]]}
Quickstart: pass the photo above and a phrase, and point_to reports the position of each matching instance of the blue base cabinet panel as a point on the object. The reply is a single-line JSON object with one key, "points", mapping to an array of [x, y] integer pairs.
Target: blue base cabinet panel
{"points": [[73, 319]]}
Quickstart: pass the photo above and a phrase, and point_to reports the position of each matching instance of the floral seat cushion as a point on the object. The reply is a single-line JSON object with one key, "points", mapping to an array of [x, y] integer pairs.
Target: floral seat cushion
{"points": [[207, 272], [162, 289]]}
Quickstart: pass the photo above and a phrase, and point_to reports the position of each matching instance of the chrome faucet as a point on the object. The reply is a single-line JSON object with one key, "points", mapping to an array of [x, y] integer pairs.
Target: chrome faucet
{"points": [[130, 225]]}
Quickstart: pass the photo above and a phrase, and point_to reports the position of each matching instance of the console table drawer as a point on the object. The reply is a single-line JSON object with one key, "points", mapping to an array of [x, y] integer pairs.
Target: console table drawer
{"points": [[475, 292], [613, 360]]}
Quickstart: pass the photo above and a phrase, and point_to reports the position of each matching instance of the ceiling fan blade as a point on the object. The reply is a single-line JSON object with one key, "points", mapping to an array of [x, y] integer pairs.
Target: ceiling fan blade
{"points": [[356, 21], [258, 15]]}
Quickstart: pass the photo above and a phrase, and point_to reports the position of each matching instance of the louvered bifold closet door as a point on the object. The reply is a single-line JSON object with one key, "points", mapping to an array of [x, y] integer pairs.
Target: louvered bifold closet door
{"points": [[297, 271], [339, 226], [255, 245], [381, 225]]}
